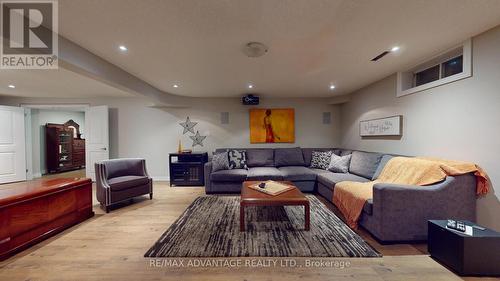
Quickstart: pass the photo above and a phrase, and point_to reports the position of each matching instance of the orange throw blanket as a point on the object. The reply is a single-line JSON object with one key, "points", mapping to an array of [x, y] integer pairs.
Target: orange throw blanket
{"points": [[350, 197]]}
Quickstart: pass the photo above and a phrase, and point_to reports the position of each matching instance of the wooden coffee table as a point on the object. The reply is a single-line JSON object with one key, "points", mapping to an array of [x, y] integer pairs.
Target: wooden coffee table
{"points": [[251, 197]]}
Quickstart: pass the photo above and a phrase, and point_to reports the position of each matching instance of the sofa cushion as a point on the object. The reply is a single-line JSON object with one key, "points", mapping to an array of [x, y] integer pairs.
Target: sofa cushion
{"points": [[368, 207], [260, 158], [364, 163], [339, 164], [126, 182], [319, 171], [264, 173], [343, 152], [233, 175], [381, 165], [237, 159], [331, 179], [297, 173], [220, 161], [124, 167], [288, 157], [321, 159]]}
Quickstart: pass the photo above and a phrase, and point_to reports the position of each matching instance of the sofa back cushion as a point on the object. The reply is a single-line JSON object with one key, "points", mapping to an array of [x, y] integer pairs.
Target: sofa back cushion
{"points": [[220, 150], [123, 167], [344, 152], [260, 157], [381, 165], [364, 163], [288, 157]]}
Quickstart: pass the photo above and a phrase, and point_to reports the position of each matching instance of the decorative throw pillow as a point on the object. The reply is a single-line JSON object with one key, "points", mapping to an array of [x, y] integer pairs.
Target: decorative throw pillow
{"points": [[339, 164], [220, 161], [237, 159], [321, 159]]}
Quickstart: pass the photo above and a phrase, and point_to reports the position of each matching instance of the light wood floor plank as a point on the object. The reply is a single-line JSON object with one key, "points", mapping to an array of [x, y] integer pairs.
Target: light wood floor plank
{"points": [[111, 247]]}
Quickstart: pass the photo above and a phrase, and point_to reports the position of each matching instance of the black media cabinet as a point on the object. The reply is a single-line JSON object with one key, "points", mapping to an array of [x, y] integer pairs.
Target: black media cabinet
{"points": [[476, 254], [186, 169]]}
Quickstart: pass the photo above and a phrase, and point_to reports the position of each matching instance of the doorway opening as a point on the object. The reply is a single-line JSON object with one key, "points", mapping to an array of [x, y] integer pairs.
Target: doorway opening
{"points": [[55, 139], [21, 153]]}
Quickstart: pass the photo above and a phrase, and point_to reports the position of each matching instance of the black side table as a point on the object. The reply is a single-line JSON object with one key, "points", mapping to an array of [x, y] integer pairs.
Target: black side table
{"points": [[476, 254], [187, 169]]}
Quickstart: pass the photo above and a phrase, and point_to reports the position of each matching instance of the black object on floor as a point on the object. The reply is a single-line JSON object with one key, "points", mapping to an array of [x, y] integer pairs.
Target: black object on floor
{"points": [[187, 169], [476, 254]]}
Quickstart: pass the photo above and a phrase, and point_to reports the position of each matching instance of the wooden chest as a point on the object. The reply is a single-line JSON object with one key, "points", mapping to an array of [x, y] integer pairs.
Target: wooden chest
{"points": [[33, 211]]}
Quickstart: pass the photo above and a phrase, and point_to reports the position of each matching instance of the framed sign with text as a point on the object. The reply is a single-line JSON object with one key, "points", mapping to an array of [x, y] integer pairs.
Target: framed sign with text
{"points": [[387, 126]]}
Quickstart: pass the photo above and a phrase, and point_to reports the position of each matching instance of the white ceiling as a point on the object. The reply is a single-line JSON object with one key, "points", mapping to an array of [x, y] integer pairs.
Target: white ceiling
{"points": [[197, 43], [312, 43], [59, 83]]}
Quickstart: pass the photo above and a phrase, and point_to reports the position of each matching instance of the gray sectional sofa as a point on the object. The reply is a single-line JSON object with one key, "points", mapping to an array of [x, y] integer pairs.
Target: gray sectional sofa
{"points": [[396, 213]]}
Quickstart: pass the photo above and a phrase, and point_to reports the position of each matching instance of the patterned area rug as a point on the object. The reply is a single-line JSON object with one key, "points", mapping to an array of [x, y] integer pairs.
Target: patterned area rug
{"points": [[210, 228]]}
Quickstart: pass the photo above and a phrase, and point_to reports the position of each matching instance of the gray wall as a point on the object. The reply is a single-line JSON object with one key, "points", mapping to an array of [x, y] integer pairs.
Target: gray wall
{"points": [[40, 117], [137, 130], [460, 120]]}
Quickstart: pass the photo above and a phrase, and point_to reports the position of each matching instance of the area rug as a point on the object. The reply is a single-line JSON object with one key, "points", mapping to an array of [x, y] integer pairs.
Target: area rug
{"points": [[210, 228]]}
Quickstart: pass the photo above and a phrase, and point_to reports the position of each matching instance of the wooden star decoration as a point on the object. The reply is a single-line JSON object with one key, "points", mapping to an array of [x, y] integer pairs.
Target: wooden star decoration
{"points": [[188, 126], [197, 139]]}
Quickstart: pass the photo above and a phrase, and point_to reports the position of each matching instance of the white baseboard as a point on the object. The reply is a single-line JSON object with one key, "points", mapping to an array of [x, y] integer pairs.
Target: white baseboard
{"points": [[155, 178], [161, 178]]}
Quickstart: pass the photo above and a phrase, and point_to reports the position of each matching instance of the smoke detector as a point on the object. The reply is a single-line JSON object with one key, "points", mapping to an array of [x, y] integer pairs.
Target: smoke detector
{"points": [[255, 49]]}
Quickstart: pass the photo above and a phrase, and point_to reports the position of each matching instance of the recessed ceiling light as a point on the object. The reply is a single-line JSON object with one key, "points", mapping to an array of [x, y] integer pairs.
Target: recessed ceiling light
{"points": [[12, 86], [122, 48], [175, 86], [395, 49], [332, 87], [250, 86]]}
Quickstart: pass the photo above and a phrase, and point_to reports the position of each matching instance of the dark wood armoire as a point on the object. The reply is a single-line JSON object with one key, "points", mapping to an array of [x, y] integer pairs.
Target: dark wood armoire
{"points": [[65, 149]]}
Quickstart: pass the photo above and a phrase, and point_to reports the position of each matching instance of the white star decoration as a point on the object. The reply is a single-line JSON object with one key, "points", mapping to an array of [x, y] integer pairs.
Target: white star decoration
{"points": [[197, 139], [188, 126]]}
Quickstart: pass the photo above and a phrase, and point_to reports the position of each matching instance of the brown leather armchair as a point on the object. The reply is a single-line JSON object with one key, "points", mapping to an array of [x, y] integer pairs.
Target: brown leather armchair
{"points": [[118, 180]]}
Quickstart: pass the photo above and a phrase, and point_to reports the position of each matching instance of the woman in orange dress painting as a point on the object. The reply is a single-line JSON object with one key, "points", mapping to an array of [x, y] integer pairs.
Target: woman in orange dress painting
{"points": [[268, 125]]}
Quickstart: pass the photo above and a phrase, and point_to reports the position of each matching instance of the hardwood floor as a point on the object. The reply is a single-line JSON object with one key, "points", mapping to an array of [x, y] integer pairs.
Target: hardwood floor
{"points": [[111, 247], [70, 174]]}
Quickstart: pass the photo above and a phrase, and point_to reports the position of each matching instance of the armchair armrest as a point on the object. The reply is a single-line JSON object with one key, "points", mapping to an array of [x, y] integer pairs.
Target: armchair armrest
{"points": [[101, 183], [100, 175], [207, 171], [144, 170]]}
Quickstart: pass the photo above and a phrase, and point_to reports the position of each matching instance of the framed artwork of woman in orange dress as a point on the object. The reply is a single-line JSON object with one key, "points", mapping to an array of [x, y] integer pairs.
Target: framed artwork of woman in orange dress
{"points": [[272, 125]]}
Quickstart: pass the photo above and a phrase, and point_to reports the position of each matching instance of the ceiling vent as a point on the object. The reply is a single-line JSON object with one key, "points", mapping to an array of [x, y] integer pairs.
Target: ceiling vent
{"points": [[255, 49], [380, 56]]}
